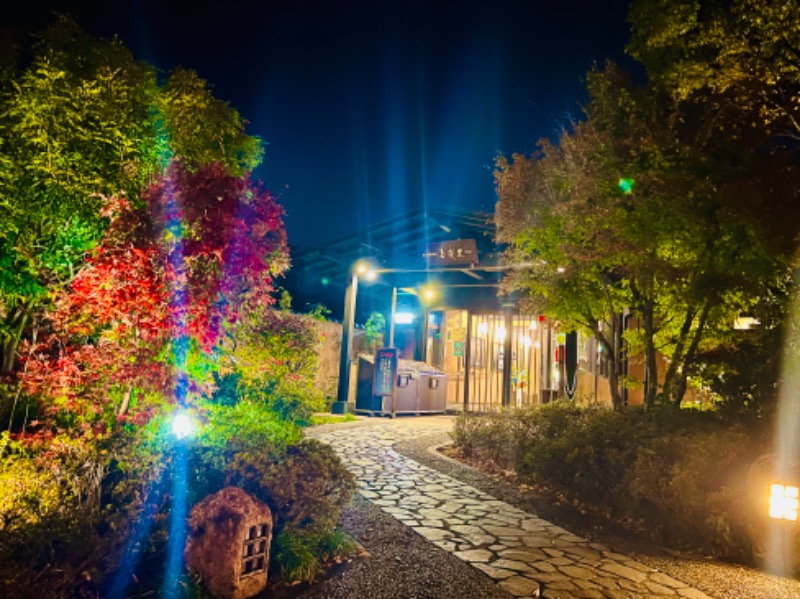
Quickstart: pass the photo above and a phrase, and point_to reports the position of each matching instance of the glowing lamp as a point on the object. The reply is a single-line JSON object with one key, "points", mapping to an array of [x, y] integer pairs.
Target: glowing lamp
{"points": [[370, 275], [784, 502], [182, 426]]}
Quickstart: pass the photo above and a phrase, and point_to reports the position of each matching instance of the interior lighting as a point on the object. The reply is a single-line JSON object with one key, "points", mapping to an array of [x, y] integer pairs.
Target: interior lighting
{"points": [[483, 328], [527, 341], [404, 318], [500, 333], [784, 502], [745, 323], [534, 325]]}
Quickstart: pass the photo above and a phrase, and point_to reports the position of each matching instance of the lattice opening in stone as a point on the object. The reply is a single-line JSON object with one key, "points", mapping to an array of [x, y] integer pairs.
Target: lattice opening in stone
{"points": [[254, 550]]}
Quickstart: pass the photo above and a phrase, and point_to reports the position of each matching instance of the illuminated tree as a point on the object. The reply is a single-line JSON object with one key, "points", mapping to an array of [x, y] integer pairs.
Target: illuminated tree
{"points": [[742, 55], [637, 207], [152, 305], [85, 122]]}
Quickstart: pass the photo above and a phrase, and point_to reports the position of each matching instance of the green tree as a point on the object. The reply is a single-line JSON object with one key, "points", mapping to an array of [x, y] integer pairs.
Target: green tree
{"points": [[639, 207], [743, 55]]}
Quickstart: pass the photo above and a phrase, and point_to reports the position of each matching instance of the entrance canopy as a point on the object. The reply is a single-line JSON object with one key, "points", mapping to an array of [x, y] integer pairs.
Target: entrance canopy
{"points": [[449, 249]]}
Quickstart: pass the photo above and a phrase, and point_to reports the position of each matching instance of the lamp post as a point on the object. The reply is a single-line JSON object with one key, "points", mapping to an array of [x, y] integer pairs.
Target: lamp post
{"points": [[340, 407], [365, 269]]}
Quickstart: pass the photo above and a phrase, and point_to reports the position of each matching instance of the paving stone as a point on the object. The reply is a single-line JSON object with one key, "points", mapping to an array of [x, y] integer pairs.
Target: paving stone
{"points": [[433, 534], [589, 594], [658, 589], [563, 585], [433, 523], [521, 587], [512, 565], [577, 572], [585, 554], [638, 566], [667, 581], [586, 584], [475, 555], [624, 571], [557, 594], [544, 566], [494, 572], [525, 555]]}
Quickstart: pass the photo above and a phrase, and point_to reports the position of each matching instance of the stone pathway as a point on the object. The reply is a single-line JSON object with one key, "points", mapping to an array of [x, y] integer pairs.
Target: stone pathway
{"points": [[523, 554]]}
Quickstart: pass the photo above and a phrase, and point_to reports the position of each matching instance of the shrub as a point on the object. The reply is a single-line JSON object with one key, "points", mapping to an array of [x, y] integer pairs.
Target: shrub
{"points": [[680, 472]]}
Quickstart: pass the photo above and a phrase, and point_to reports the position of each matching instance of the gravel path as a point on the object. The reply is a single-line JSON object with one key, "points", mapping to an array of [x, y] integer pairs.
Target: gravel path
{"points": [[402, 563]]}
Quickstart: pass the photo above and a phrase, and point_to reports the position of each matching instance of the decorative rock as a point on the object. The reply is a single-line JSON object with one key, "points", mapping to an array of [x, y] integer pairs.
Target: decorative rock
{"points": [[228, 543]]}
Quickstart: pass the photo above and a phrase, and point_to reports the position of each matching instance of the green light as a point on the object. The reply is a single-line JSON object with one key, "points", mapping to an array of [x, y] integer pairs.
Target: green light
{"points": [[324, 280], [626, 185]]}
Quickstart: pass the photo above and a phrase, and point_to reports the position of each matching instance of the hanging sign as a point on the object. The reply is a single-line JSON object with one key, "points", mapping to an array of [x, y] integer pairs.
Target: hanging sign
{"points": [[449, 253], [385, 371], [458, 348]]}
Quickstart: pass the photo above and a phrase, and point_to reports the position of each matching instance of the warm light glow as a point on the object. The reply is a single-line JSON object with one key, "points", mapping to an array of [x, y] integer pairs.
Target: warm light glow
{"points": [[362, 268], [784, 502], [537, 345], [500, 333], [527, 341], [404, 318], [370, 275], [182, 425], [560, 269], [429, 294], [534, 325], [483, 328], [745, 323]]}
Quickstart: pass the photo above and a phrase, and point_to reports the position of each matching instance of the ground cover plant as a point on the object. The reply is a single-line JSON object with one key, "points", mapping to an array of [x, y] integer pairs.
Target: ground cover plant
{"points": [[679, 476]]}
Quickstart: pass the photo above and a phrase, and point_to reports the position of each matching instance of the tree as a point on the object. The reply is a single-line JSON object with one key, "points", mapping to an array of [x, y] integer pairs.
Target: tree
{"points": [[638, 207], [152, 305], [83, 122], [742, 55]]}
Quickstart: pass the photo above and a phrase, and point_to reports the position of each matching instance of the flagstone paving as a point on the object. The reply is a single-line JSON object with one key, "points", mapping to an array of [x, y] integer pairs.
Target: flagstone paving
{"points": [[524, 554]]}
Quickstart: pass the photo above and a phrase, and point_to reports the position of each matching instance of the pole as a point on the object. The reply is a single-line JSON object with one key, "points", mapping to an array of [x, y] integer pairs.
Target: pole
{"points": [[391, 318], [347, 339]]}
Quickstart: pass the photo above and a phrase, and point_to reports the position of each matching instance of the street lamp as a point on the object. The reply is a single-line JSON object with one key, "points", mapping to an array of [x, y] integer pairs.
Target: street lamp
{"points": [[365, 268]]}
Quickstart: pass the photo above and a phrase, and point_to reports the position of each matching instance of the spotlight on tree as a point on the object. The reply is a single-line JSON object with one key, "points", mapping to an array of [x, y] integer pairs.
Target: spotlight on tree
{"points": [[183, 426]]}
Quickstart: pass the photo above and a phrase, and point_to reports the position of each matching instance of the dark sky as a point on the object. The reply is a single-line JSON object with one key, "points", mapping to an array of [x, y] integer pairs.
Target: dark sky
{"points": [[373, 108]]}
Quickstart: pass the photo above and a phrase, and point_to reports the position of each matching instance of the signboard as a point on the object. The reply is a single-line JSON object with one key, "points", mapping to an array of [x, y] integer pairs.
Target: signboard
{"points": [[450, 253], [458, 348], [457, 333], [385, 371]]}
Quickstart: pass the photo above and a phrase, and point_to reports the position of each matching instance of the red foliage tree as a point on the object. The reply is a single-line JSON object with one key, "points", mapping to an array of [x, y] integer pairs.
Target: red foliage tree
{"points": [[167, 279]]}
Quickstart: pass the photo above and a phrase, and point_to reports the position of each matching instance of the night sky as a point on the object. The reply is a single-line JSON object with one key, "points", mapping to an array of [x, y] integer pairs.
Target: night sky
{"points": [[373, 109]]}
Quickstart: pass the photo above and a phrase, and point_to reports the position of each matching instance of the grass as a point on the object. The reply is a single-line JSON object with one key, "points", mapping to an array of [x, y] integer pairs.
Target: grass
{"points": [[318, 419]]}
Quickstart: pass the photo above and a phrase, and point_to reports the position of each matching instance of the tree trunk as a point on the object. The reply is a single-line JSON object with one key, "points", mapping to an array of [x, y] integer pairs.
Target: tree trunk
{"points": [[15, 322], [610, 346], [651, 363], [680, 390], [677, 360]]}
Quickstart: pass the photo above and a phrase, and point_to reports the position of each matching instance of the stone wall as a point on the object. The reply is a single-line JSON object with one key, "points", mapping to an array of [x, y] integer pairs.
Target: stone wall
{"points": [[329, 352]]}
